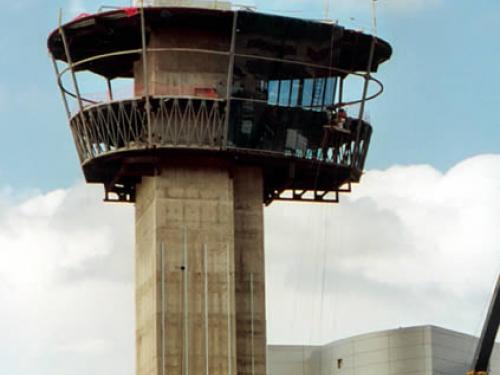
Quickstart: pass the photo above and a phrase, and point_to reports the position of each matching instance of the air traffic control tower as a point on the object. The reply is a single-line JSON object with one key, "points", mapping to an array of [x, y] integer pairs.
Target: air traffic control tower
{"points": [[226, 111]]}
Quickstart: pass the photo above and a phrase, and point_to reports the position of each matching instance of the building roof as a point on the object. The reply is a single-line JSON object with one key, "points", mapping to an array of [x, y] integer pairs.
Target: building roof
{"points": [[113, 33]]}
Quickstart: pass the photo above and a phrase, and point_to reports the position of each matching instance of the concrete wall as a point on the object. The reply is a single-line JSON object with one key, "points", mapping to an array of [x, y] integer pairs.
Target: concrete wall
{"points": [[200, 295], [294, 360], [191, 74], [390, 352], [413, 351]]}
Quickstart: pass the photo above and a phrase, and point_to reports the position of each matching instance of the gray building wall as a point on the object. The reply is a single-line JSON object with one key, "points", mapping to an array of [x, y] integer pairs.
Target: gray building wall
{"points": [[452, 352], [424, 350]]}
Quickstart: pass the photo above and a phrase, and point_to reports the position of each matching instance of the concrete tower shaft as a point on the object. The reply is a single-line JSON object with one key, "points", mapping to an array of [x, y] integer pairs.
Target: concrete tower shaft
{"points": [[200, 293]]}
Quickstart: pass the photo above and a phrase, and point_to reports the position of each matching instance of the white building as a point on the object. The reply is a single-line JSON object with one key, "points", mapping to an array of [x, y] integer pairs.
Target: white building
{"points": [[424, 350]]}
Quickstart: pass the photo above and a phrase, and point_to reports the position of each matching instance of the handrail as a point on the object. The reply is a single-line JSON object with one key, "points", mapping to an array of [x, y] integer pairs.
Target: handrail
{"points": [[155, 97], [72, 66]]}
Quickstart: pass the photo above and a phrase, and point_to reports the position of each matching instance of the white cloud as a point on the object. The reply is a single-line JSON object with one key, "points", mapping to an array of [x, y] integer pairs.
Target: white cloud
{"points": [[409, 246], [66, 284]]}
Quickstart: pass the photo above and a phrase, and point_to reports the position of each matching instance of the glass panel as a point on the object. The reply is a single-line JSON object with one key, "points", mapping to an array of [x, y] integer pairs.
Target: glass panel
{"points": [[283, 84], [294, 131]]}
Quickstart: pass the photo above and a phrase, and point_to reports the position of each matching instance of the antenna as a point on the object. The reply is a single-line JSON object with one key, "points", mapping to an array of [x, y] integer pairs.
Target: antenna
{"points": [[326, 9], [374, 17]]}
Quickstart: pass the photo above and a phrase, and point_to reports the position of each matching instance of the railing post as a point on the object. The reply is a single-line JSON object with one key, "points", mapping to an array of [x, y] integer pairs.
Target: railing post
{"points": [[63, 94], [145, 72], [110, 89], [230, 74], [354, 161], [75, 81]]}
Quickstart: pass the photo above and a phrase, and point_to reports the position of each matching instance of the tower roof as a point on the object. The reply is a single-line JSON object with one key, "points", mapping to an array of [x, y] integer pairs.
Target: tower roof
{"points": [[119, 30]]}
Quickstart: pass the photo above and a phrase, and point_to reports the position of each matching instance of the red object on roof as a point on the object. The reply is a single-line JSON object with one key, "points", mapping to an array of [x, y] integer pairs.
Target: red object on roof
{"points": [[82, 15], [131, 11], [205, 92]]}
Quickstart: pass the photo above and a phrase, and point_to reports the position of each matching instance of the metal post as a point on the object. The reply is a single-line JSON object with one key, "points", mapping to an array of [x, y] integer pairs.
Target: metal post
{"points": [[341, 91], [252, 312], [229, 338], [75, 81], [230, 73], [205, 264], [374, 17], [163, 307], [300, 92], [325, 85], [70, 62], [313, 92], [186, 306], [363, 101], [278, 97], [367, 78], [110, 89], [145, 72], [489, 333], [63, 94]]}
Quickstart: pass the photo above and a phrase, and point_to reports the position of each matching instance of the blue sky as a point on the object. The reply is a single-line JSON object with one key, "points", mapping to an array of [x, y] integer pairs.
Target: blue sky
{"points": [[439, 106]]}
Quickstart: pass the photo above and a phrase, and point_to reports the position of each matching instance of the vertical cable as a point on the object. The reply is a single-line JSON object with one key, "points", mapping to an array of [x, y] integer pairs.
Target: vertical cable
{"points": [[186, 306], [205, 266], [229, 331], [145, 71], [252, 313], [230, 73], [163, 308], [374, 17]]}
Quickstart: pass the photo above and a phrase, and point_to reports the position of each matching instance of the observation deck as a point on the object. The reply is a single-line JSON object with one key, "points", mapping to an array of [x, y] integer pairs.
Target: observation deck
{"points": [[209, 86]]}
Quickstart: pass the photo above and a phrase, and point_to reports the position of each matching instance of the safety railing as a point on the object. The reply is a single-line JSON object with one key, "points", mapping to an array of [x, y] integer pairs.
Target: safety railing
{"points": [[157, 116], [122, 126]]}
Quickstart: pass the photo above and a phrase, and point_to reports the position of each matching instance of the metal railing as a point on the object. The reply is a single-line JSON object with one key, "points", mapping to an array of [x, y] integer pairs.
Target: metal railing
{"points": [[147, 120]]}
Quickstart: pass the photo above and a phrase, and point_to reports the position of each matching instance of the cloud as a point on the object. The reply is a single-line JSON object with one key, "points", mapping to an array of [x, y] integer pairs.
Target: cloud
{"points": [[410, 245], [66, 284]]}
